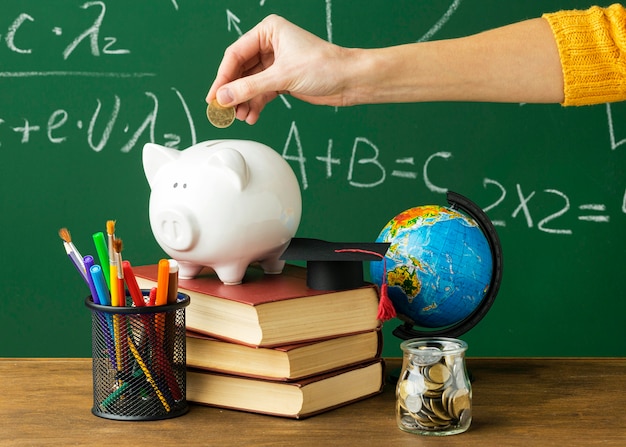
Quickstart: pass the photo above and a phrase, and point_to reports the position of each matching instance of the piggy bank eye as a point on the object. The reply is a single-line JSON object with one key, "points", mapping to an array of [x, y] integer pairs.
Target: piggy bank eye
{"points": [[176, 185]]}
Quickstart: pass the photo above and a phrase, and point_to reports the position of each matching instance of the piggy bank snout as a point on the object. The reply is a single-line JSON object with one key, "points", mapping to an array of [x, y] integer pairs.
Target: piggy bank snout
{"points": [[175, 228]]}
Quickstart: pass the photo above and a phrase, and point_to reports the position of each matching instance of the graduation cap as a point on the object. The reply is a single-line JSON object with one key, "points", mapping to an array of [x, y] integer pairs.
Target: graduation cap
{"points": [[339, 266], [334, 265]]}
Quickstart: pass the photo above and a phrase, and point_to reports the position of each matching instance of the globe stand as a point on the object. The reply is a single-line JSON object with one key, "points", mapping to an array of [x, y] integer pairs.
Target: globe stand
{"points": [[408, 330]]}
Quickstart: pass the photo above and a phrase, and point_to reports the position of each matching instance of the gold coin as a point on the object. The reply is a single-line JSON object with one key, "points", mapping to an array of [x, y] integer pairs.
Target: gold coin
{"points": [[403, 389], [446, 398], [438, 408], [438, 373], [460, 402], [219, 116]]}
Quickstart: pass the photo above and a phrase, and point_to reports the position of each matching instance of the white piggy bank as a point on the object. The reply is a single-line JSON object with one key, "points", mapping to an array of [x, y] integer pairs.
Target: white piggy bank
{"points": [[222, 204]]}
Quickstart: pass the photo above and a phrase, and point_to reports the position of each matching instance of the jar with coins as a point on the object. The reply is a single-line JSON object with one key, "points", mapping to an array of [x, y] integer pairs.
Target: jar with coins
{"points": [[434, 394]]}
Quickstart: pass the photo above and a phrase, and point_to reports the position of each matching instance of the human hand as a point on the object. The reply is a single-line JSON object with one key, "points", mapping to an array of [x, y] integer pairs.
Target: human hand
{"points": [[277, 57]]}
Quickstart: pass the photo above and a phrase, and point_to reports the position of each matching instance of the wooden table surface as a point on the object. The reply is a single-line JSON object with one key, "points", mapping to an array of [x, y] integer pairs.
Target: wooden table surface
{"points": [[517, 402]]}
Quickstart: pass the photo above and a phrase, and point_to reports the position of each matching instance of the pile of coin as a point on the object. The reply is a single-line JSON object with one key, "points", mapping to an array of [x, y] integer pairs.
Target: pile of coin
{"points": [[434, 393]]}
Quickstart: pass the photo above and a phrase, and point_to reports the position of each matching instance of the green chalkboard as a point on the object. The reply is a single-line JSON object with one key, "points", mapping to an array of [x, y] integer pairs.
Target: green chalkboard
{"points": [[84, 84]]}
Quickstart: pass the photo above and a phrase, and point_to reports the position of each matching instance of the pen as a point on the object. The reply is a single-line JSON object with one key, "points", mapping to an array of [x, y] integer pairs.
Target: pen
{"points": [[100, 285], [101, 249], [163, 274], [103, 298], [120, 390], [172, 282], [117, 249], [152, 297], [133, 287], [111, 256], [88, 262]]}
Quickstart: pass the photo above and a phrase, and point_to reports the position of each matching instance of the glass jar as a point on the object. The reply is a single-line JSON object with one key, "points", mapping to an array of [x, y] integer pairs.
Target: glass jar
{"points": [[434, 394]]}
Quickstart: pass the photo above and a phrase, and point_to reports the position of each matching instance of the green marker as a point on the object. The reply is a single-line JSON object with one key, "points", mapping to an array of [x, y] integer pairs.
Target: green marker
{"points": [[103, 255]]}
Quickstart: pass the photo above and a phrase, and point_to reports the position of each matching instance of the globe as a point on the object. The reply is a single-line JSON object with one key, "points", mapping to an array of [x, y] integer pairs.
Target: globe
{"points": [[438, 266]]}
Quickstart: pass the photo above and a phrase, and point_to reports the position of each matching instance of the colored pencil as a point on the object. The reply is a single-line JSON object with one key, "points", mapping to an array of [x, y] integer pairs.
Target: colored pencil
{"points": [[147, 373]]}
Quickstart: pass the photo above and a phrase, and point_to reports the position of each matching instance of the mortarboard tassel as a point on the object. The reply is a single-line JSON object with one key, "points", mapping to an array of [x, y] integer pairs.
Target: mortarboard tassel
{"points": [[386, 310]]}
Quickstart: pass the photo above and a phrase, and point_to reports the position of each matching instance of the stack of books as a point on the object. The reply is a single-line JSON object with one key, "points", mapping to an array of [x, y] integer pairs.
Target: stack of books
{"points": [[272, 345]]}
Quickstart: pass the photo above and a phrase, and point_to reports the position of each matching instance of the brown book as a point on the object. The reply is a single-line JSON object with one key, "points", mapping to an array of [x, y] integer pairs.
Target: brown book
{"points": [[271, 310], [287, 399], [287, 363]]}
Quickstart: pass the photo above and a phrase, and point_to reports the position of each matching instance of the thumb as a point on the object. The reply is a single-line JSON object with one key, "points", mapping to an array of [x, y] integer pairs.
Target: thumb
{"points": [[246, 88]]}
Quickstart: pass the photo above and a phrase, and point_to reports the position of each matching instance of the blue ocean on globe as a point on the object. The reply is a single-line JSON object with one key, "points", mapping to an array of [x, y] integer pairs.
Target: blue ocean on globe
{"points": [[438, 266]]}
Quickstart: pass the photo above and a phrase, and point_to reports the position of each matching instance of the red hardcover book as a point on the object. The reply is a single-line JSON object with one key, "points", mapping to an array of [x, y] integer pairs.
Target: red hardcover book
{"points": [[271, 310]]}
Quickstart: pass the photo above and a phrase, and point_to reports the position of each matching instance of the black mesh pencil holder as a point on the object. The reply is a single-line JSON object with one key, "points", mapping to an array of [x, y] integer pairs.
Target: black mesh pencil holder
{"points": [[138, 360]]}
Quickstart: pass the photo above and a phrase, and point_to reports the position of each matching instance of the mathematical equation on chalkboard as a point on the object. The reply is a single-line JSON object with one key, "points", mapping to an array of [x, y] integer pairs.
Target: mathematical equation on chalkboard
{"points": [[23, 23], [365, 168]]}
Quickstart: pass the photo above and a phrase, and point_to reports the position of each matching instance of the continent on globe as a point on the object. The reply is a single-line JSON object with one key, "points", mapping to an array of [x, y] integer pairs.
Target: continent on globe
{"points": [[439, 265]]}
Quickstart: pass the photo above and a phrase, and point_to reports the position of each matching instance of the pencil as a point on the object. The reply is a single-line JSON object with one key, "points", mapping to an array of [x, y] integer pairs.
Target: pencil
{"points": [[147, 373], [115, 301]]}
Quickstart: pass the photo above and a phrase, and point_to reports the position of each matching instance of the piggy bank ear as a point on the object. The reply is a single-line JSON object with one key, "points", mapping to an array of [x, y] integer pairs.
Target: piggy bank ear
{"points": [[154, 157], [233, 163]]}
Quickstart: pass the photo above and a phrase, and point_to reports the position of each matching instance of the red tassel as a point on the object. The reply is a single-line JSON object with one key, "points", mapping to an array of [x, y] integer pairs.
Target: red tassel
{"points": [[386, 311]]}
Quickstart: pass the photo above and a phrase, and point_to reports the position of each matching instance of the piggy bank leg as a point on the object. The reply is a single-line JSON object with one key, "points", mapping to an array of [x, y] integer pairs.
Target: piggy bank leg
{"points": [[188, 270], [272, 266], [231, 274]]}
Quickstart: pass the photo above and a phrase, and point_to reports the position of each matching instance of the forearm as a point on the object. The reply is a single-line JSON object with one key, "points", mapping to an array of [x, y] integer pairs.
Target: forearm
{"points": [[515, 63]]}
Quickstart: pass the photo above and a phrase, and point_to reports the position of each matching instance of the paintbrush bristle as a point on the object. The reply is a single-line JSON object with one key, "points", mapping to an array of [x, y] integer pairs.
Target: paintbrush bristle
{"points": [[64, 233], [117, 245], [110, 227]]}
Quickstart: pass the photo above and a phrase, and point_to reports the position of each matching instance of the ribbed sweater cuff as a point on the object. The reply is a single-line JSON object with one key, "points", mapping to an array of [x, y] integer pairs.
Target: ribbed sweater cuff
{"points": [[594, 65]]}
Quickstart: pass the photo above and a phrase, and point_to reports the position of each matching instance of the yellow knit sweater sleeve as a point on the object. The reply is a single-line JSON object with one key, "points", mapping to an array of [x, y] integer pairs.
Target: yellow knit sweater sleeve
{"points": [[592, 47]]}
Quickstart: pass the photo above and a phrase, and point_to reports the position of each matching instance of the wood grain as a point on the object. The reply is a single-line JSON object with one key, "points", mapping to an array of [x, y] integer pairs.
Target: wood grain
{"points": [[529, 402]]}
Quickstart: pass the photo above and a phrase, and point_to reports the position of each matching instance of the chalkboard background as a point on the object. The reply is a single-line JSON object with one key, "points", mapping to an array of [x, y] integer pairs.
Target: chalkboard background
{"points": [[85, 84]]}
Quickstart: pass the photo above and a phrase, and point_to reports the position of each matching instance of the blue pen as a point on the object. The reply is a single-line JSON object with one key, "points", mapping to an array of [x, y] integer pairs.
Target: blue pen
{"points": [[100, 284], [88, 261], [104, 299]]}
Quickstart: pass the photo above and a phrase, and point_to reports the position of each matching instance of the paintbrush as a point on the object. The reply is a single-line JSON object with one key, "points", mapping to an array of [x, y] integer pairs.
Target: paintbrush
{"points": [[110, 237], [72, 252]]}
